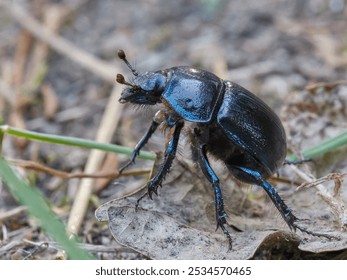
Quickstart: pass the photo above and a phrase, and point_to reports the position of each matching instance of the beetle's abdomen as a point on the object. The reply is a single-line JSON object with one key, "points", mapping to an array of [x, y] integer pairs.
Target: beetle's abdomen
{"points": [[192, 93], [253, 126]]}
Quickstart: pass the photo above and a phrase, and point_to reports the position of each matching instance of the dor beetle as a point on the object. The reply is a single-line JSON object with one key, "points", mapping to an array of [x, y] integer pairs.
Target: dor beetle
{"points": [[221, 119]]}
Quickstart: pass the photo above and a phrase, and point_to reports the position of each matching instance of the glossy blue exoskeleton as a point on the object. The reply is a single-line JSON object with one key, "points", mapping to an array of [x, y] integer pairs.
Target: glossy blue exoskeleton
{"points": [[221, 118]]}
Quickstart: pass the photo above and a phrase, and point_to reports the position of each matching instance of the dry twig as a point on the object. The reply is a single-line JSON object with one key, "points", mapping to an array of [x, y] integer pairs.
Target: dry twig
{"points": [[106, 129], [334, 201], [32, 165], [12, 212], [59, 44]]}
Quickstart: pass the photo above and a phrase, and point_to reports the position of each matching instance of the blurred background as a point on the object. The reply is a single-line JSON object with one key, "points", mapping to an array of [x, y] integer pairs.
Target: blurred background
{"points": [[58, 63], [270, 47]]}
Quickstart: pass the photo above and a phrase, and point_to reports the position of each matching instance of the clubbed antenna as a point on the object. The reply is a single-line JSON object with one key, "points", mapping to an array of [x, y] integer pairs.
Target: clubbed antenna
{"points": [[120, 79], [121, 55]]}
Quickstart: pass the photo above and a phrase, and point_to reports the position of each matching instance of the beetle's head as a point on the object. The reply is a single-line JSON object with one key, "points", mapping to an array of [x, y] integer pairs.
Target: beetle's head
{"points": [[145, 89]]}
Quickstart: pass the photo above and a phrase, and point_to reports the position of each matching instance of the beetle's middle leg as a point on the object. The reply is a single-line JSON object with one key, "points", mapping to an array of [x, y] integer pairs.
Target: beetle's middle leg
{"points": [[169, 156], [200, 153]]}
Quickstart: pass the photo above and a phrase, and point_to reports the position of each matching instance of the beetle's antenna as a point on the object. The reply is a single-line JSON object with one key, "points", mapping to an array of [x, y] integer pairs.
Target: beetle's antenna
{"points": [[120, 79], [121, 55]]}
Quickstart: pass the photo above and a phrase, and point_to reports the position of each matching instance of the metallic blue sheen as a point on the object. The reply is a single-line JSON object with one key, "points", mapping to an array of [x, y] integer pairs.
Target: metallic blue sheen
{"points": [[192, 93]]}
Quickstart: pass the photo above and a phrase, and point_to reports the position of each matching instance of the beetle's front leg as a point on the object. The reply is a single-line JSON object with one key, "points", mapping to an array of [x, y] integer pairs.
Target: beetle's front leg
{"points": [[169, 156], [213, 179], [157, 120]]}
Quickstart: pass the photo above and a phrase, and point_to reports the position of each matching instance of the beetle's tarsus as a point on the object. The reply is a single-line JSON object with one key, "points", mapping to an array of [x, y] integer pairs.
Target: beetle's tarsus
{"points": [[312, 233], [138, 201], [132, 158], [221, 221], [227, 234], [292, 221], [130, 162], [152, 187], [140, 145]]}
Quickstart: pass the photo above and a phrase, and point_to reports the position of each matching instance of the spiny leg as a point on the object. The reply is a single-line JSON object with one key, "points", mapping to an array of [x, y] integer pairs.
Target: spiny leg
{"points": [[158, 118], [284, 210], [213, 179], [169, 156]]}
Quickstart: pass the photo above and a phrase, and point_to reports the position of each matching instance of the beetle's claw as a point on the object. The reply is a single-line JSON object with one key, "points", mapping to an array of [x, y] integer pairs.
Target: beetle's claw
{"points": [[150, 194], [152, 188], [138, 201], [221, 221], [227, 234], [130, 162]]}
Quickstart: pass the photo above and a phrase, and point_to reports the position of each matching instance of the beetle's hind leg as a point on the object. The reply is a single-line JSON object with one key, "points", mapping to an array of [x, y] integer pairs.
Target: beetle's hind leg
{"points": [[255, 177], [200, 152]]}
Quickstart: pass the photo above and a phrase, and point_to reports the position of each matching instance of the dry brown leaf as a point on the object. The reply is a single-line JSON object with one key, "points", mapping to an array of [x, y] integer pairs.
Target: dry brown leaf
{"points": [[177, 224], [159, 236]]}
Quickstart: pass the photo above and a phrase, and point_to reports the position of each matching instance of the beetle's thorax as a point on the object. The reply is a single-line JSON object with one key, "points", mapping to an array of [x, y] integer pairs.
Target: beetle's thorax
{"points": [[192, 93]]}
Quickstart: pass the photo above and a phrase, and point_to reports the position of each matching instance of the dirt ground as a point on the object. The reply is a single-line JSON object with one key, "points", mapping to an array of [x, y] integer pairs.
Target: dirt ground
{"points": [[291, 53]]}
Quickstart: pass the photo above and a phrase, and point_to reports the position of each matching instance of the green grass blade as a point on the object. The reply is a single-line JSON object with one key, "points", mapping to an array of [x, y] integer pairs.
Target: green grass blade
{"points": [[318, 150], [326, 146], [37, 206], [71, 141]]}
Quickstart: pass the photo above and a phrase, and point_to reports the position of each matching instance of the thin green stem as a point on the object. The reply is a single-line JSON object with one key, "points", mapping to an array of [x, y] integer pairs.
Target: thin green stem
{"points": [[318, 150], [326, 146], [70, 141]]}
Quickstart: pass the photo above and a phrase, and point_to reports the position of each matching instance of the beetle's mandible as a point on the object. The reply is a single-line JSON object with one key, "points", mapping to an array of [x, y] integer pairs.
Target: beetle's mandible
{"points": [[222, 119]]}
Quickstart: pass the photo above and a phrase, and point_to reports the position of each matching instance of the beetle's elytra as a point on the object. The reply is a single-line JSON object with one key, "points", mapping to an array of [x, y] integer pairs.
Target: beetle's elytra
{"points": [[221, 118]]}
